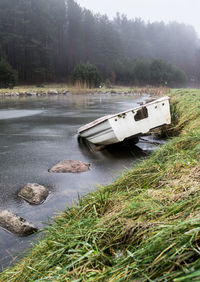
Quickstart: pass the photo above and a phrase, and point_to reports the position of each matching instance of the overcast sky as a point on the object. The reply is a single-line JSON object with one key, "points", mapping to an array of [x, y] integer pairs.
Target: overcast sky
{"points": [[186, 11]]}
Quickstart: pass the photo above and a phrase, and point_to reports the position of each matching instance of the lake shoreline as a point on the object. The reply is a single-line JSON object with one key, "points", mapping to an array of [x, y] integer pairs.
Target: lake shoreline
{"points": [[31, 91], [143, 226]]}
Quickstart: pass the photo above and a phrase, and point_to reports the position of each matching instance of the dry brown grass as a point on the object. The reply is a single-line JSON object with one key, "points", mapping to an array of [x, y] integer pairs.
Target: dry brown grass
{"points": [[157, 91], [178, 188], [81, 88]]}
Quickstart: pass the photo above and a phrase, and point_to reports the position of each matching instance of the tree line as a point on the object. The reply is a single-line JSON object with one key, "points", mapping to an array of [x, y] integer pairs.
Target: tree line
{"points": [[44, 40]]}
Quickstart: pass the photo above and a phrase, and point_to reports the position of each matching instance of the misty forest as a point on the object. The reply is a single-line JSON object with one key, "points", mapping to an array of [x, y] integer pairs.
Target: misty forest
{"points": [[44, 40]]}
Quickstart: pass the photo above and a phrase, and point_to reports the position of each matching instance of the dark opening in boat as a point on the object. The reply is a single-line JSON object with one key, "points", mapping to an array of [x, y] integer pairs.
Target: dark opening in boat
{"points": [[141, 114]]}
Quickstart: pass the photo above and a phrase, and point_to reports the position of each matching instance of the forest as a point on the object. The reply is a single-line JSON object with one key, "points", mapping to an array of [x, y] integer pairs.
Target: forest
{"points": [[44, 40]]}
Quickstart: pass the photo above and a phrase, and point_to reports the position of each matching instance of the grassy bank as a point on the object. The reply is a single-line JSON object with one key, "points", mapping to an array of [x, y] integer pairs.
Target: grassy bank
{"points": [[143, 227]]}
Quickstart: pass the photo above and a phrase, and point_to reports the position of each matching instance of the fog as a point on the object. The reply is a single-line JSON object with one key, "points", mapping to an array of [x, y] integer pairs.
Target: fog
{"points": [[184, 11], [46, 40]]}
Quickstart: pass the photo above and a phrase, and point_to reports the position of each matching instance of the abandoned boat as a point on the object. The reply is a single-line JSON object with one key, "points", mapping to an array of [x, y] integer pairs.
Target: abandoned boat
{"points": [[128, 124]]}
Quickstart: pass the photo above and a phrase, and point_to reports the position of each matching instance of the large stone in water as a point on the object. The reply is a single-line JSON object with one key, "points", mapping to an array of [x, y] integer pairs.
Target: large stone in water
{"points": [[70, 166], [16, 224], [34, 193]]}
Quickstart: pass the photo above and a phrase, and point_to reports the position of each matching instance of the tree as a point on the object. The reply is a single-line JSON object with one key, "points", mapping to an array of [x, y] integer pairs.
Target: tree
{"points": [[162, 73], [45, 39], [8, 76], [142, 72], [86, 74], [157, 72]]}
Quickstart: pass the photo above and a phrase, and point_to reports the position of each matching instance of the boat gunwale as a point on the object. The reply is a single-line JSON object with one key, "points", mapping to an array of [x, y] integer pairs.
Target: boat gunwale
{"points": [[107, 117]]}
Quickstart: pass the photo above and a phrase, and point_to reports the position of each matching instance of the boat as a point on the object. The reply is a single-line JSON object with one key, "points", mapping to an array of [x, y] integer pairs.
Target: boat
{"points": [[129, 124]]}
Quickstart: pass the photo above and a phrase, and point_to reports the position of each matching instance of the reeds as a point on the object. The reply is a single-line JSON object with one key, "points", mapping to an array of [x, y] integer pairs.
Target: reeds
{"points": [[157, 91], [81, 88], [143, 227]]}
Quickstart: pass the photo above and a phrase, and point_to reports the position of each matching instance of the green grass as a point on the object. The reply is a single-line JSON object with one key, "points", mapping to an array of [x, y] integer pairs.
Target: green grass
{"points": [[143, 227]]}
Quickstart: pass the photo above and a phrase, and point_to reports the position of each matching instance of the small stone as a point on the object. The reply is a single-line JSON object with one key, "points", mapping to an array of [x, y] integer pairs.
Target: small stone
{"points": [[53, 92], [70, 166], [16, 224], [31, 93], [34, 193]]}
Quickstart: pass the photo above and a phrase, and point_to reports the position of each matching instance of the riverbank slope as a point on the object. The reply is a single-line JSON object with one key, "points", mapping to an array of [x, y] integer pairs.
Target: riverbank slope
{"points": [[145, 226]]}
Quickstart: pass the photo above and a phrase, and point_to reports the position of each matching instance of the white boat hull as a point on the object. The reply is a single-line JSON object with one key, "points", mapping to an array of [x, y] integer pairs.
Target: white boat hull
{"points": [[131, 123]]}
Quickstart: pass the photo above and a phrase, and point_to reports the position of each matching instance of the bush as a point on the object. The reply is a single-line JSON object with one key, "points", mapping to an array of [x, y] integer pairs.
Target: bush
{"points": [[8, 76], [86, 74]]}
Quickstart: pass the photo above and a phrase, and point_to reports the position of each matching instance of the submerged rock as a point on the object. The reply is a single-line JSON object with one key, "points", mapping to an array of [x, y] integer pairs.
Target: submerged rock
{"points": [[34, 193], [31, 93], [70, 166], [16, 224]]}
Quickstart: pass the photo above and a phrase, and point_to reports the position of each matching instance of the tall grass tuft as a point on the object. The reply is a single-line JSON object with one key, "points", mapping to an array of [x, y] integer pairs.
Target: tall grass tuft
{"points": [[81, 88]]}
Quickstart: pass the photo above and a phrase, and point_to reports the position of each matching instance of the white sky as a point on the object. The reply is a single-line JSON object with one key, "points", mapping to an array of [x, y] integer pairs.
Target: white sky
{"points": [[186, 11]]}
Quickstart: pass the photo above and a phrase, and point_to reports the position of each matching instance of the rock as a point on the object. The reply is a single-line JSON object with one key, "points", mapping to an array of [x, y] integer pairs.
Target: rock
{"points": [[70, 166], [14, 94], [34, 193], [53, 92], [41, 93], [16, 224], [31, 93]]}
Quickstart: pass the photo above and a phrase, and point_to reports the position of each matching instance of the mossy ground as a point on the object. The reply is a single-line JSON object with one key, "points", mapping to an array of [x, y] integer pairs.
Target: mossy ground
{"points": [[143, 227]]}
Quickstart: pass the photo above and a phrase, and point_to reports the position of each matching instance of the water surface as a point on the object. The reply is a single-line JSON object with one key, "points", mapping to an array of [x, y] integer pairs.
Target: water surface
{"points": [[38, 132], [12, 113]]}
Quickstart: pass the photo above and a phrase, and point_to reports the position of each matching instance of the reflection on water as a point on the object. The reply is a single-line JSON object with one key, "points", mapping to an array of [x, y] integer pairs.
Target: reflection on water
{"points": [[117, 151], [38, 132]]}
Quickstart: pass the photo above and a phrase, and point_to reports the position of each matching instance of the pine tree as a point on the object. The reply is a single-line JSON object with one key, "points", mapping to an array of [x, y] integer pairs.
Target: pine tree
{"points": [[8, 76]]}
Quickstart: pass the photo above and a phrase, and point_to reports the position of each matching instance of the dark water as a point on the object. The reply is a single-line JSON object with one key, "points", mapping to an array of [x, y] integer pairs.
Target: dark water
{"points": [[35, 134]]}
